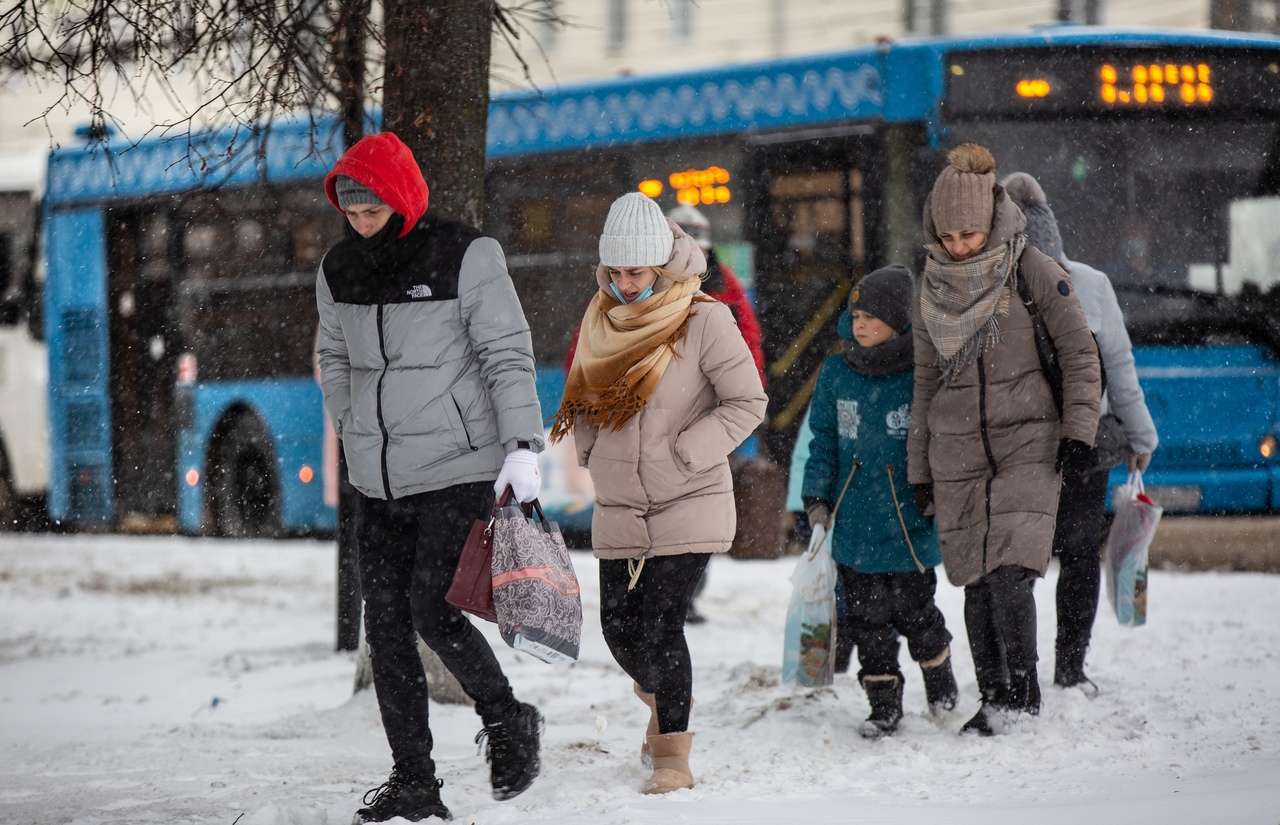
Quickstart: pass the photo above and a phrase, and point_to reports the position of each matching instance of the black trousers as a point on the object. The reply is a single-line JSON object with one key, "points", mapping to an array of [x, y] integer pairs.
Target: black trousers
{"points": [[1078, 546], [644, 628], [883, 605], [409, 549], [1000, 618]]}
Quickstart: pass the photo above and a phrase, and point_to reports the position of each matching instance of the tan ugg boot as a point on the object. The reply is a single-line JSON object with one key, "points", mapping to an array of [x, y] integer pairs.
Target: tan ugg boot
{"points": [[670, 762], [646, 758]]}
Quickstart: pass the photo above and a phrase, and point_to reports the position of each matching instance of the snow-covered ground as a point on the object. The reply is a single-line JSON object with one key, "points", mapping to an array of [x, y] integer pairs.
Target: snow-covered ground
{"points": [[170, 680]]}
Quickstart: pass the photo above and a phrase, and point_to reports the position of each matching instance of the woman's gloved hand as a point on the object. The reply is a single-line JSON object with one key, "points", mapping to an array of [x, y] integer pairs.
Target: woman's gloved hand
{"points": [[924, 499], [520, 473], [1074, 455]]}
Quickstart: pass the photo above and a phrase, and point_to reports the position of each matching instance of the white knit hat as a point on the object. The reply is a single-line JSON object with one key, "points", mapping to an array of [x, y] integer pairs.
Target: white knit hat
{"points": [[635, 233], [694, 223]]}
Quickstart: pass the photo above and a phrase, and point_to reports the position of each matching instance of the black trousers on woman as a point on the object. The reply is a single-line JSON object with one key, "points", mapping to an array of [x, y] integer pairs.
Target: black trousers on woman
{"points": [[1000, 618], [644, 628], [1077, 542], [409, 549]]}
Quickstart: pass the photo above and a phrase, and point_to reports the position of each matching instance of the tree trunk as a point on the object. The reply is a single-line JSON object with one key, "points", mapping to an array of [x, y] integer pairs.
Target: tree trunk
{"points": [[436, 100], [436, 96]]}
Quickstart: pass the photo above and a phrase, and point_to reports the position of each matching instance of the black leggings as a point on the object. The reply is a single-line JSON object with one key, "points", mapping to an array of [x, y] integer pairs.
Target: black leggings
{"points": [[409, 549], [1078, 545], [1000, 618], [644, 628]]}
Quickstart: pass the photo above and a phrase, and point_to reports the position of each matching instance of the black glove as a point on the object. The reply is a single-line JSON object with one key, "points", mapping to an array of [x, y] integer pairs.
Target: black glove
{"points": [[924, 499], [1075, 456]]}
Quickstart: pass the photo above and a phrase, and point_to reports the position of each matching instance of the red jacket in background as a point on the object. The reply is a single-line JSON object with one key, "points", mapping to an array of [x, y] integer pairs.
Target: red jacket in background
{"points": [[731, 294]]}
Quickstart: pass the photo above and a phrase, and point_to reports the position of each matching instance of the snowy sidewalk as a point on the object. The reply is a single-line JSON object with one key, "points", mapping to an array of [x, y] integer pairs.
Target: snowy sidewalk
{"points": [[113, 649]]}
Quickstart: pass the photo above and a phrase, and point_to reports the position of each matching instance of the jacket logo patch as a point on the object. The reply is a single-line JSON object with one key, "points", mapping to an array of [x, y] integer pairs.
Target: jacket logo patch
{"points": [[898, 421], [420, 291], [847, 417]]}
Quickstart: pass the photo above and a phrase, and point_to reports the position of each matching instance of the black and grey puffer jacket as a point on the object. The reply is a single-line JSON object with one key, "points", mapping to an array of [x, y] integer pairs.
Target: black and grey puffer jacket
{"points": [[425, 356]]}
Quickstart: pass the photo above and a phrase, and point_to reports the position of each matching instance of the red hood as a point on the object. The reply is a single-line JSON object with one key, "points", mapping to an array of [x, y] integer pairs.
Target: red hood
{"points": [[384, 164]]}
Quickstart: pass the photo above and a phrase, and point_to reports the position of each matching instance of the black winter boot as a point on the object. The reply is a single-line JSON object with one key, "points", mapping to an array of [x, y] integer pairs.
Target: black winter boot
{"points": [[512, 751], [885, 695], [403, 795], [986, 721], [1068, 671], [1024, 692], [940, 687]]}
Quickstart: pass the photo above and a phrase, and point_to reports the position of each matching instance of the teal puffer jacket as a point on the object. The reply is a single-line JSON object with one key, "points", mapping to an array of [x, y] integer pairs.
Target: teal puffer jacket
{"points": [[866, 419]]}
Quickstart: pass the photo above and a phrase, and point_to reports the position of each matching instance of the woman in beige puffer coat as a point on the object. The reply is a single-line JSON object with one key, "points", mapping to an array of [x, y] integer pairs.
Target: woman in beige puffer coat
{"points": [[662, 388], [987, 443]]}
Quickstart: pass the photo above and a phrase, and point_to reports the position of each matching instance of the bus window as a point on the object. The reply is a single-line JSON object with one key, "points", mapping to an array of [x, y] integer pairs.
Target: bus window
{"points": [[249, 289]]}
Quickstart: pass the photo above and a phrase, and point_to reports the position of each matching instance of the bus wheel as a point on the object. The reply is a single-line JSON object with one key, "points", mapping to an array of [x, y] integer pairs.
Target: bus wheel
{"points": [[245, 504]]}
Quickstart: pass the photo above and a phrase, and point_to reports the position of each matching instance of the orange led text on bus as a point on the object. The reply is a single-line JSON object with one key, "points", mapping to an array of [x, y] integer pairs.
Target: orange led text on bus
{"points": [[693, 186], [1149, 84]]}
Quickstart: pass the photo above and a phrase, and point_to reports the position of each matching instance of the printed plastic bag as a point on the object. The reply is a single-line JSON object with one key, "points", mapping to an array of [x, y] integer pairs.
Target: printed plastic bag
{"points": [[808, 655], [1124, 557], [535, 590]]}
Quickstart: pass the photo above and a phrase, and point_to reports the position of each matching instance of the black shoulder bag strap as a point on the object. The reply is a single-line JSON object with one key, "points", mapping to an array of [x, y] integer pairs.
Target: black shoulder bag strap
{"points": [[1046, 351]]}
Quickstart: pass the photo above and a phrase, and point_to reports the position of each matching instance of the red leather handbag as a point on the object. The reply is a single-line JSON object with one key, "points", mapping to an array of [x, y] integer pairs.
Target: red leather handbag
{"points": [[472, 587]]}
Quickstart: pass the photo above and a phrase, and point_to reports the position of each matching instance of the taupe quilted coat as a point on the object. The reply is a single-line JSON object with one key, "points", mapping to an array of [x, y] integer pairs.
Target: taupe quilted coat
{"points": [[988, 441]]}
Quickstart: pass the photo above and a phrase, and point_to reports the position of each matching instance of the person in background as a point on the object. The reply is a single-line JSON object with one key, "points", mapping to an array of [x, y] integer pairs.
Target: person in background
{"points": [[661, 390], [720, 283], [1138, 267], [988, 442], [885, 552], [427, 370], [1077, 542]]}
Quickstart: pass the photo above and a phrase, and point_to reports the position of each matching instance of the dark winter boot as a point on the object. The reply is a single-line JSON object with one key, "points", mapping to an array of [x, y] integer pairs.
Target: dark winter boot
{"points": [[512, 751], [405, 795], [1068, 671], [1024, 692], [885, 695], [940, 683], [987, 721]]}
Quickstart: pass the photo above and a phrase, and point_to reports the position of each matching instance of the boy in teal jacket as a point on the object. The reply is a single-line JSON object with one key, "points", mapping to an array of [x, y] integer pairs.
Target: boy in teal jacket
{"points": [[885, 550]]}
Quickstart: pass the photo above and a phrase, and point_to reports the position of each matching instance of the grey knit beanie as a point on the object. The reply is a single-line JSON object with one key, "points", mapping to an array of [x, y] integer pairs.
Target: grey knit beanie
{"points": [[1042, 225], [886, 293], [351, 192], [635, 233]]}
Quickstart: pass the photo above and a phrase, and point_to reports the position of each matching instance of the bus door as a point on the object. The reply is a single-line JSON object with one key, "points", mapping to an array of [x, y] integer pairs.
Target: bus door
{"points": [[810, 220], [142, 349]]}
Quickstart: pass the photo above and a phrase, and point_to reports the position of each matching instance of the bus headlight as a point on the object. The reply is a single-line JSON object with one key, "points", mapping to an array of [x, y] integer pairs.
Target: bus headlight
{"points": [[1267, 446]]}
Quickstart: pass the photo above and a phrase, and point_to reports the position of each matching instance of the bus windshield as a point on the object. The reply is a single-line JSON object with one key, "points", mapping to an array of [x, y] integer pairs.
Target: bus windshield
{"points": [[1156, 204]]}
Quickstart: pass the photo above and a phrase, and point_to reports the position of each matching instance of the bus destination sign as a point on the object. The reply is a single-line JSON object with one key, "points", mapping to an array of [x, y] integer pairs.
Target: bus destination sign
{"points": [[1101, 81]]}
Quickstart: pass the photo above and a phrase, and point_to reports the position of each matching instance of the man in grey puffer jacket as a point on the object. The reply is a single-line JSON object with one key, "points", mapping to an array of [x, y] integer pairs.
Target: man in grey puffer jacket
{"points": [[1078, 539], [428, 375]]}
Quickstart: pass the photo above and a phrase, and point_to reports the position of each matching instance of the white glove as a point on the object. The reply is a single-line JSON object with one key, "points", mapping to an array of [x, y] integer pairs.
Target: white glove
{"points": [[520, 473]]}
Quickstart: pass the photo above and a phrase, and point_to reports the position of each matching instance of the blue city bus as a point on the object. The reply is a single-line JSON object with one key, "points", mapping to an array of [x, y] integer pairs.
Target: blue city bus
{"points": [[180, 309]]}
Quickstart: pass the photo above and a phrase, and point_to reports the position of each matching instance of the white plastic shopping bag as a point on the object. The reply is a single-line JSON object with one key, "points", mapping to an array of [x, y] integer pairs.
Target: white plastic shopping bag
{"points": [[1124, 557], [808, 656]]}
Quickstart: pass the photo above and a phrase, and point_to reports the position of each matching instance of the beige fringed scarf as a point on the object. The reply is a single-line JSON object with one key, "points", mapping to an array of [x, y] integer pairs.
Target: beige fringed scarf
{"points": [[623, 350], [962, 302]]}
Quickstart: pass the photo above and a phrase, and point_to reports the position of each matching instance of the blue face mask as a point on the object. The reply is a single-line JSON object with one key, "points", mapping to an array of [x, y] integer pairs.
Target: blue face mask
{"points": [[647, 292]]}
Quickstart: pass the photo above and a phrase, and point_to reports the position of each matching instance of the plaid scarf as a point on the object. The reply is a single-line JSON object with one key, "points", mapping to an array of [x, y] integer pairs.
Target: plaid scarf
{"points": [[962, 301], [623, 350]]}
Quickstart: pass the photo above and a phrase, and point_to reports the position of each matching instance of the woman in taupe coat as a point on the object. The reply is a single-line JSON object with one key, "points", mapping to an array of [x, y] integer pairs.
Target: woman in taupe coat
{"points": [[662, 388], [988, 443]]}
